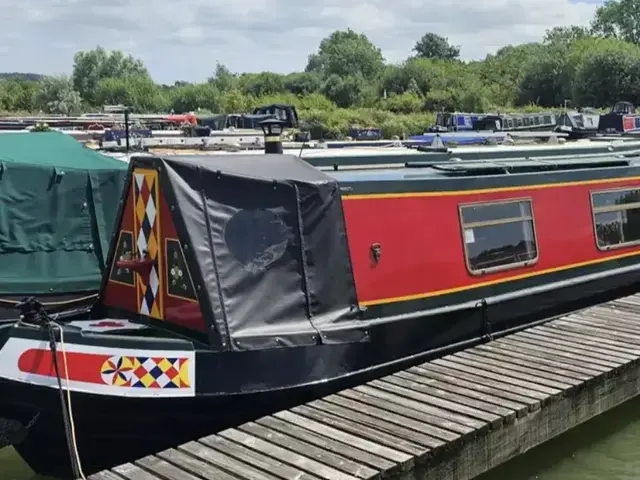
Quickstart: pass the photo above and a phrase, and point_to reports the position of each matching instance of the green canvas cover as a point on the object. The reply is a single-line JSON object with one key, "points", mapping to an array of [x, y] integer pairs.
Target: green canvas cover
{"points": [[58, 202]]}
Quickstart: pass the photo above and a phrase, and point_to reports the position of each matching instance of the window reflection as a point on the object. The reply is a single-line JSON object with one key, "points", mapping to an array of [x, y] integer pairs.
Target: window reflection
{"points": [[498, 235], [617, 218]]}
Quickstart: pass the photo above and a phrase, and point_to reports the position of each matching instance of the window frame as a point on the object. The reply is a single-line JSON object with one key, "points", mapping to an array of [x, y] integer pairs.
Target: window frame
{"points": [[613, 208], [499, 268]]}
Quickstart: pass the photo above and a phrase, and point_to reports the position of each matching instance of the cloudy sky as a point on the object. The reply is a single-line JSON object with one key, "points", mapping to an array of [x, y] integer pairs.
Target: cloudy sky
{"points": [[183, 39]]}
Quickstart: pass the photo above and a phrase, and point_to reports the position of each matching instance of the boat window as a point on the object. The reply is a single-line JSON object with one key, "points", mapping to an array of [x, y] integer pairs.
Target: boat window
{"points": [[498, 235], [616, 217]]}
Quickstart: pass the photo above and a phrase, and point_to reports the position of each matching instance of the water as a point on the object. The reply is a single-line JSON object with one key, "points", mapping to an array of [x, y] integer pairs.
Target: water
{"points": [[605, 448]]}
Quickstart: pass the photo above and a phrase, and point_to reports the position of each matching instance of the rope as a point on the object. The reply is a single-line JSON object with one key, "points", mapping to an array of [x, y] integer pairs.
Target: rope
{"points": [[67, 411], [60, 303]]}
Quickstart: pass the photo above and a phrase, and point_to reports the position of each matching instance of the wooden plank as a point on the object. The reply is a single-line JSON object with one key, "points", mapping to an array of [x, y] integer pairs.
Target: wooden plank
{"points": [[542, 350], [488, 403], [335, 461], [531, 374], [586, 338], [304, 464], [443, 389], [614, 360], [351, 400], [361, 456], [490, 412], [421, 445], [456, 423], [224, 462], [194, 466], [539, 363], [542, 343], [433, 426], [251, 457], [540, 391], [594, 345], [384, 433], [606, 336], [134, 472], [163, 469], [392, 427], [611, 317], [479, 383], [618, 329], [106, 475], [421, 394], [341, 431]]}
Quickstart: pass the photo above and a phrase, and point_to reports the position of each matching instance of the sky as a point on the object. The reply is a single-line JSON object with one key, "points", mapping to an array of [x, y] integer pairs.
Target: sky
{"points": [[183, 39]]}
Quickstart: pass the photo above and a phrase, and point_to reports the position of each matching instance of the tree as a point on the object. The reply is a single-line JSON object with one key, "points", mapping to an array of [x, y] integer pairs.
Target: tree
{"points": [[92, 66], [565, 34], [607, 77], [347, 53], [223, 79], [619, 19], [436, 47], [56, 95]]}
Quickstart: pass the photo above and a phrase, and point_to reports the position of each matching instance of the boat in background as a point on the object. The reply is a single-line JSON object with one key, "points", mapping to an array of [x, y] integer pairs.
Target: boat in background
{"points": [[493, 122], [58, 205], [257, 285], [581, 123]]}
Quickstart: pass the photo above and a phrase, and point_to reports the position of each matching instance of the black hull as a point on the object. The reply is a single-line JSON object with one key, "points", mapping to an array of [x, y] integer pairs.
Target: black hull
{"points": [[113, 430]]}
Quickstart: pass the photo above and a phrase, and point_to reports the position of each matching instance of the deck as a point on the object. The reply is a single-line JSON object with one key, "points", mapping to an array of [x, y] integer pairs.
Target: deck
{"points": [[451, 418]]}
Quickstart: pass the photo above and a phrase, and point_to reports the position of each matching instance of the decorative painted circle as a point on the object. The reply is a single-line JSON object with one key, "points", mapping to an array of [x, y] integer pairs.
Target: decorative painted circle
{"points": [[117, 371]]}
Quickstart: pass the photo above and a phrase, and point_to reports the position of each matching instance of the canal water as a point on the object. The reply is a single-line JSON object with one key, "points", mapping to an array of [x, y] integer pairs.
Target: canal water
{"points": [[605, 448]]}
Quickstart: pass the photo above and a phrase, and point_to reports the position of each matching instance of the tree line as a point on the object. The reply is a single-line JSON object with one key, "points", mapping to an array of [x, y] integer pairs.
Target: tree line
{"points": [[347, 80]]}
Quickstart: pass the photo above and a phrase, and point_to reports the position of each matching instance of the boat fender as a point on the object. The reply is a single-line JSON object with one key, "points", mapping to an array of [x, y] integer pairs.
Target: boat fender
{"points": [[12, 432]]}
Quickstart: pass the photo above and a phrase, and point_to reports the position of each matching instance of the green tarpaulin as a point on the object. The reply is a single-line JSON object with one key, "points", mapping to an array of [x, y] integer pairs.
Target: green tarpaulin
{"points": [[58, 202]]}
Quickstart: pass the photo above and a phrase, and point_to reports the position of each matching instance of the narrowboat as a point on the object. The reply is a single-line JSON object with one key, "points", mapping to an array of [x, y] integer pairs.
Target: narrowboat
{"points": [[581, 123], [237, 287], [58, 206], [622, 119]]}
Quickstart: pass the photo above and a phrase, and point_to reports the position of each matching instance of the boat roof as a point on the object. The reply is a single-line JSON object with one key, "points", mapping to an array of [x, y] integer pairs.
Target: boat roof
{"points": [[58, 202], [53, 149], [429, 170], [289, 167]]}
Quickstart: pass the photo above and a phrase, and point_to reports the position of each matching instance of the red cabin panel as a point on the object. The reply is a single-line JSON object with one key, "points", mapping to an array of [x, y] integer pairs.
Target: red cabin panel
{"points": [[167, 292], [422, 251]]}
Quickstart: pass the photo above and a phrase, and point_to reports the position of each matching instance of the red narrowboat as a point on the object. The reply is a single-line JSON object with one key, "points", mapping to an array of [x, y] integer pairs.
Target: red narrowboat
{"points": [[241, 285]]}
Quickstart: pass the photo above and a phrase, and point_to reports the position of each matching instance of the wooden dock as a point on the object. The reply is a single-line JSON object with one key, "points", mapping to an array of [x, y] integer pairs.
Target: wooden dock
{"points": [[452, 418]]}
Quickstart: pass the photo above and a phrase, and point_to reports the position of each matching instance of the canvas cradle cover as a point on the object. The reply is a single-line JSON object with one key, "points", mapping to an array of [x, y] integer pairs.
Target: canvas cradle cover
{"points": [[58, 202], [269, 236]]}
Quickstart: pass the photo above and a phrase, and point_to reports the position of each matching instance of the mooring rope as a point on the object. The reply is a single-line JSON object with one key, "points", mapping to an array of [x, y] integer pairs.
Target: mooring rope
{"points": [[60, 303], [67, 410]]}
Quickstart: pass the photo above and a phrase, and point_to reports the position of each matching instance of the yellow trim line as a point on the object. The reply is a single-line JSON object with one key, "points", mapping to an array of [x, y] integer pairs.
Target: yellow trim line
{"points": [[446, 193], [522, 276]]}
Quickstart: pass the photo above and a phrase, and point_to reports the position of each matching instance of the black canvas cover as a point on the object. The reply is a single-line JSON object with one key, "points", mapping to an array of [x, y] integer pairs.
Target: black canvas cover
{"points": [[269, 236]]}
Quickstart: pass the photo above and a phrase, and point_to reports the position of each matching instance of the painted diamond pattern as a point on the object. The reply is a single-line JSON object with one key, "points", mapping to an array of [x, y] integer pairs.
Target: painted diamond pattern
{"points": [[157, 372], [147, 241]]}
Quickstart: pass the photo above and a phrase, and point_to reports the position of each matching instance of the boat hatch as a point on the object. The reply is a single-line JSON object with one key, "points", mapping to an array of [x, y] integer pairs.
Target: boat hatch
{"points": [[252, 253]]}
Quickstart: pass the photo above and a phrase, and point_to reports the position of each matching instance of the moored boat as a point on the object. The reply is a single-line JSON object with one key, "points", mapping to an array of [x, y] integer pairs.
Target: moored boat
{"points": [[237, 287], [58, 203]]}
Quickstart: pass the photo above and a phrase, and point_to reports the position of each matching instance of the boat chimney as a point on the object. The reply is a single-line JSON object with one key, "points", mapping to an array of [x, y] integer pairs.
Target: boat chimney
{"points": [[272, 129]]}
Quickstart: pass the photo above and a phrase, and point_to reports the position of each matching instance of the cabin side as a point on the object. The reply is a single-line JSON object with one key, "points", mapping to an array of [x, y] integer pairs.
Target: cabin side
{"points": [[419, 244]]}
